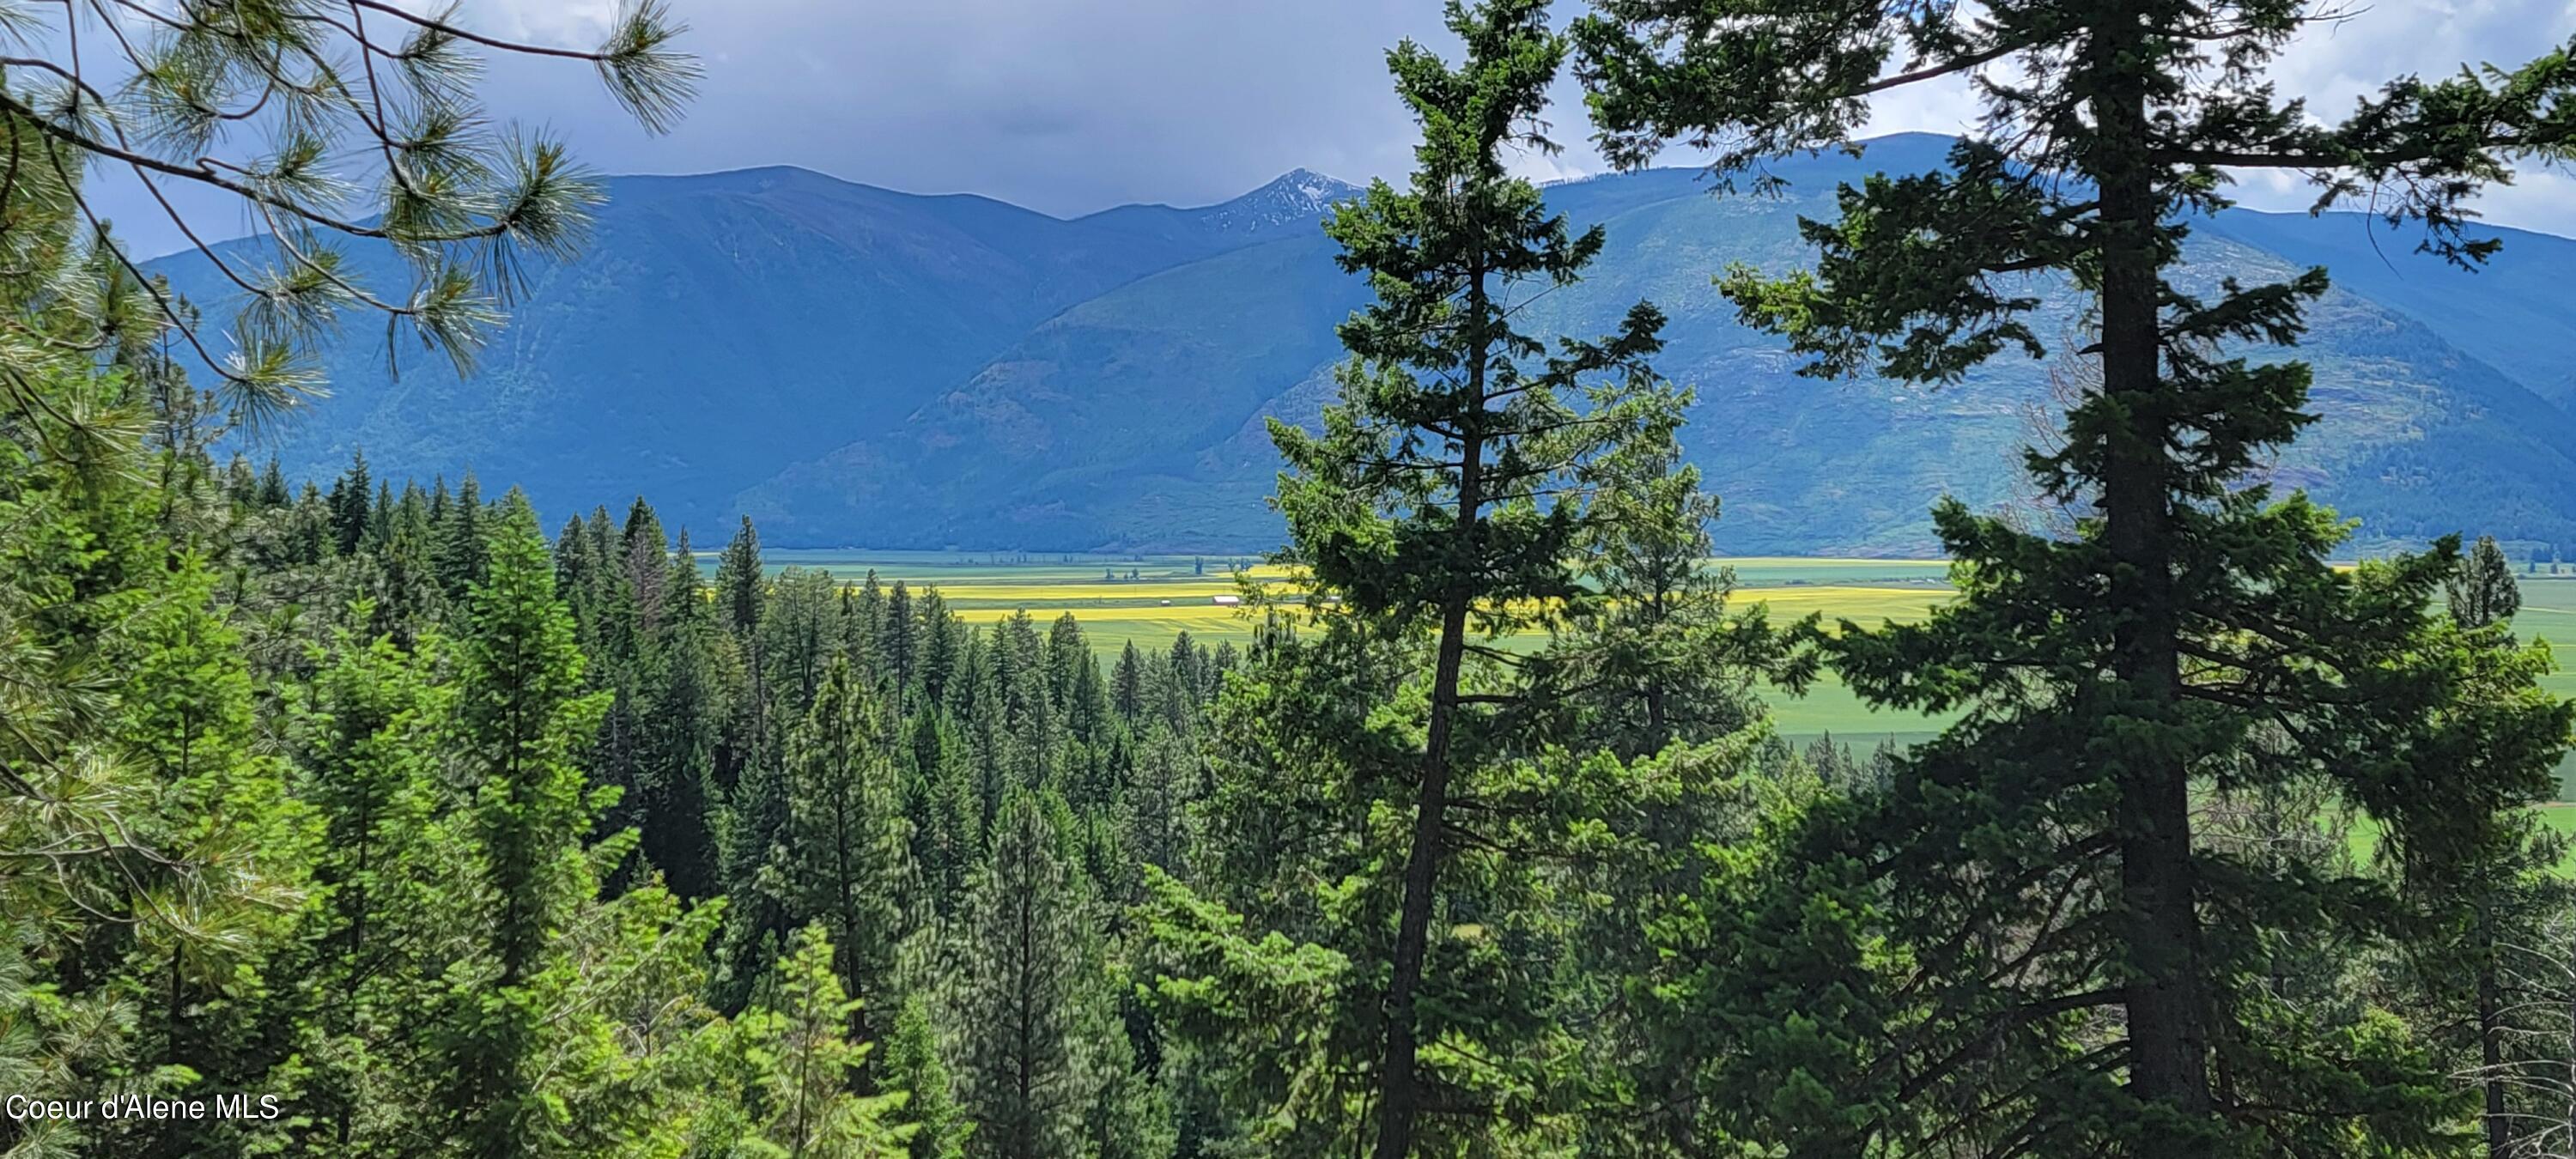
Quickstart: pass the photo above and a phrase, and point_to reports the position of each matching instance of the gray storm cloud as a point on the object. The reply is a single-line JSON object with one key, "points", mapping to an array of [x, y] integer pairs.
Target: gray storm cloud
{"points": [[1069, 106]]}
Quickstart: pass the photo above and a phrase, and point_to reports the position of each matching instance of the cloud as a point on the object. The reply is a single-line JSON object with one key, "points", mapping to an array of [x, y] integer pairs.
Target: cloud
{"points": [[554, 23], [1073, 107], [2334, 63]]}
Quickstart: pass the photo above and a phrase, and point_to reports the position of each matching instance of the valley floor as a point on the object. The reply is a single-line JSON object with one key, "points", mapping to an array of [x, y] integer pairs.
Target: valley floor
{"points": [[1151, 599]]}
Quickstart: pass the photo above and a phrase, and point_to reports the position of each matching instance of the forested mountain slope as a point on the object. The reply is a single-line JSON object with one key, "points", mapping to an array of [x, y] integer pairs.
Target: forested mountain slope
{"points": [[854, 366], [723, 325]]}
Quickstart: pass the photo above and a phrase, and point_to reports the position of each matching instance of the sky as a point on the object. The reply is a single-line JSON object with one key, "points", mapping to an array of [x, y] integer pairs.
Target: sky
{"points": [[1069, 106]]}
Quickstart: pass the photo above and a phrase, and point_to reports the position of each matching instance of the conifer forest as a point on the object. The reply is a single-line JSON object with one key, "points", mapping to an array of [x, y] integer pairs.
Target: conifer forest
{"points": [[358, 812]]}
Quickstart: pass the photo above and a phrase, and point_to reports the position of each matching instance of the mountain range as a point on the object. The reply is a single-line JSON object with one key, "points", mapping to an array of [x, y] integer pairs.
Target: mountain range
{"points": [[853, 366]]}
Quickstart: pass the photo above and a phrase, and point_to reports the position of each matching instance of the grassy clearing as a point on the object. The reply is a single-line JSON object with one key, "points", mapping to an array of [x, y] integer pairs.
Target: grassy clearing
{"points": [[2559, 819]]}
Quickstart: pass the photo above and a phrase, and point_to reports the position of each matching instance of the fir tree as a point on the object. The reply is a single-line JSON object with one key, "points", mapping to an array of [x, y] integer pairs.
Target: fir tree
{"points": [[806, 1070], [1127, 683], [739, 583], [2191, 629], [1423, 501], [938, 652], [272, 486], [461, 548], [895, 638], [349, 506], [521, 715], [370, 750], [380, 518], [686, 710]]}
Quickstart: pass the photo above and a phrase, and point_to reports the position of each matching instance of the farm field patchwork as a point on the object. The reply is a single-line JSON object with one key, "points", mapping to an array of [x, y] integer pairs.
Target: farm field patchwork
{"points": [[1150, 599]]}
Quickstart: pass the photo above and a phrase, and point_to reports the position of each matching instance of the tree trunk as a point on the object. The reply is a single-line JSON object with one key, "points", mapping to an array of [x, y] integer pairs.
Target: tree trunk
{"points": [[1403, 1088], [1412, 936], [2491, 1055], [2167, 1017], [2571, 1067]]}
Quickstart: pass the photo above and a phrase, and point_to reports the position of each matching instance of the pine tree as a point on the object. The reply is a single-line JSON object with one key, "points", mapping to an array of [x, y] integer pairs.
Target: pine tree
{"points": [[1157, 794], [380, 518], [272, 486], [679, 792], [895, 638], [1026, 946], [847, 854], [645, 553], [186, 715], [938, 650], [800, 635], [462, 551], [349, 506], [1127, 683], [864, 626], [1421, 502], [2487, 910], [370, 751], [2109, 675], [2483, 591], [739, 582], [948, 817], [1658, 659]]}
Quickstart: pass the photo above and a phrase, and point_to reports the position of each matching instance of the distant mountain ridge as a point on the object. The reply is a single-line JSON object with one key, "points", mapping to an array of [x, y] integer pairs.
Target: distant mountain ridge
{"points": [[855, 366], [1297, 199]]}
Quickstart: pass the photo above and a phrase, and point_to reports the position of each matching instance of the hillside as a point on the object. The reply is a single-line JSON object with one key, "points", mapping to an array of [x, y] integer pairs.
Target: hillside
{"points": [[720, 326], [853, 366]]}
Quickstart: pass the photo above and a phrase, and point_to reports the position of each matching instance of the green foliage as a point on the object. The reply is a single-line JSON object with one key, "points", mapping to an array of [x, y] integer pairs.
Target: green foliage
{"points": [[2088, 968], [916, 1066], [804, 1066], [2482, 592], [459, 842], [1390, 796], [847, 856], [1031, 963]]}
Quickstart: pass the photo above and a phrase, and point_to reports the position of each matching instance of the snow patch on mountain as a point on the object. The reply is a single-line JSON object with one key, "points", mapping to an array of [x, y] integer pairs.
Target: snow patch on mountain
{"points": [[1299, 195]]}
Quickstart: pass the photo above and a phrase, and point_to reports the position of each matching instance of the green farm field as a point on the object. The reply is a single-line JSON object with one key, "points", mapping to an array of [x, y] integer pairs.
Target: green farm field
{"points": [[1149, 599]]}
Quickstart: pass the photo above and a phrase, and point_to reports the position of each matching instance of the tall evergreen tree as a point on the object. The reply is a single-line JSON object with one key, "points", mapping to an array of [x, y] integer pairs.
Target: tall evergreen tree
{"points": [[1027, 947], [1426, 502], [186, 714], [2484, 921], [1127, 683], [848, 853], [272, 486], [739, 582], [644, 551], [370, 750], [521, 715], [350, 499], [2190, 631], [380, 518], [685, 717], [895, 637], [461, 548]]}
